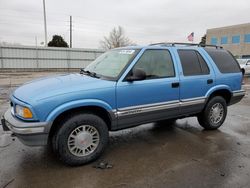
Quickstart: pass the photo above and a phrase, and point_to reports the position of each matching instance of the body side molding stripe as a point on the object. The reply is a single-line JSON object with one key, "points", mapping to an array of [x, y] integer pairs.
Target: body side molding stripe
{"points": [[157, 106]]}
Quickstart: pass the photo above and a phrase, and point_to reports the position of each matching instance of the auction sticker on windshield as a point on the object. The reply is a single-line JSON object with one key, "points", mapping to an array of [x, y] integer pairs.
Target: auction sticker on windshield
{"points": [[126, 51]]}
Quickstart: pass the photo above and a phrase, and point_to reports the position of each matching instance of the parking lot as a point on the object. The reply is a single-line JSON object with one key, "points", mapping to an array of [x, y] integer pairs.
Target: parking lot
{"points": [[151, 155]]}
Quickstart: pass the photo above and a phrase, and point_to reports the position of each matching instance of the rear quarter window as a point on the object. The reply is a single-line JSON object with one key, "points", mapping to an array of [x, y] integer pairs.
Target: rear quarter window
{"points": [[224, 60]]}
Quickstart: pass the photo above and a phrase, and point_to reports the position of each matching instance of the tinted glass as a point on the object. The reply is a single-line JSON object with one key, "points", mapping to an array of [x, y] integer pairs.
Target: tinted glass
{"points": [[223, 40], [247, 38], [236, 39], [204, 67], [213, 41], [190, 63], [156, 64], [224, 60]]}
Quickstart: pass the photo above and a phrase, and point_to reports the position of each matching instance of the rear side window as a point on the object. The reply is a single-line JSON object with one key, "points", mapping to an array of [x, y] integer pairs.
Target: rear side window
{"points": [[223, 60], [192, 63], [204, 67]]}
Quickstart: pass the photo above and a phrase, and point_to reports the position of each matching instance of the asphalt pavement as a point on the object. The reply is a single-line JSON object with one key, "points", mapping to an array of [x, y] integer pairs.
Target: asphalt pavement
{"points": [[150, 155]]}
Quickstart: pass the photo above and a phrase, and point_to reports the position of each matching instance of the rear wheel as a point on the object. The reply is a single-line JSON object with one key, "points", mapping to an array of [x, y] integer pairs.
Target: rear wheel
{"points": [[81, 139], [214, 114]]}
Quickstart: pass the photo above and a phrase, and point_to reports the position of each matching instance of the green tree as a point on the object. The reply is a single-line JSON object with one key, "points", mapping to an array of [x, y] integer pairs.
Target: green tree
{"points": [[58, 41], [203, 39], [116, 39]]}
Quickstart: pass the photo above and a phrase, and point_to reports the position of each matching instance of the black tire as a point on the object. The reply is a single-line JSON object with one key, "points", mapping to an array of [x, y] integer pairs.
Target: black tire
{"points": [[166, 122], [60, 138], [206, 120]]}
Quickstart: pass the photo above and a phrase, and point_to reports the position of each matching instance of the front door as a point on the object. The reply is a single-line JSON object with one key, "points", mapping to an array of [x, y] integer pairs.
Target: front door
{"points": [[156, 97]]}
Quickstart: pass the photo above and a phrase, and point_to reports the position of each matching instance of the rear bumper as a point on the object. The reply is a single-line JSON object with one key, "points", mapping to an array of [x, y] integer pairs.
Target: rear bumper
{"points": [[29, 133], [237, 96]]}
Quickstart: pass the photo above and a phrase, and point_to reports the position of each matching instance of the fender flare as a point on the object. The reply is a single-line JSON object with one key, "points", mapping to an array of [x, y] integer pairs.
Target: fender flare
{"points": [[216, 88], [75, 104]]}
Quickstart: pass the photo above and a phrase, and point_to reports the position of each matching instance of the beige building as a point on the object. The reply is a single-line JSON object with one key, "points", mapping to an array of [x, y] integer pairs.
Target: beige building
{"points": [[234, 38]]}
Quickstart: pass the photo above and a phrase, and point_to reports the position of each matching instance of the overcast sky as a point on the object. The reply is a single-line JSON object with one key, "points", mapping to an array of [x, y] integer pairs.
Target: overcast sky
{"points": [[144, 21]]}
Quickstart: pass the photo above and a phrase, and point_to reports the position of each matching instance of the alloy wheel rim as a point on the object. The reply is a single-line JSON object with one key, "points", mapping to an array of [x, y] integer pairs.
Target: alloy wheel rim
{"points": [[83, 140], [216, 113]]}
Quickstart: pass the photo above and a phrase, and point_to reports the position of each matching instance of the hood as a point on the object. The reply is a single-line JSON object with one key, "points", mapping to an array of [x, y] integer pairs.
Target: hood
{"points": [[58, 85]]}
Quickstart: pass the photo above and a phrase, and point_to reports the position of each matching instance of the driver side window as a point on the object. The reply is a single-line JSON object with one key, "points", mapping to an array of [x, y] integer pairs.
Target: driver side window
{"points": [[156, 64]]}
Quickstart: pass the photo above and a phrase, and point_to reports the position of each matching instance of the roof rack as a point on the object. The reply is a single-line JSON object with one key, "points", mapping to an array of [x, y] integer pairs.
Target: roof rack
{"points": [[185, 44]]}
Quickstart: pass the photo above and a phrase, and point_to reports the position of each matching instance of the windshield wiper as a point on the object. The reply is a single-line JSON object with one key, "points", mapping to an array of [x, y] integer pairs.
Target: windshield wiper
{"points": [[92, 74]]}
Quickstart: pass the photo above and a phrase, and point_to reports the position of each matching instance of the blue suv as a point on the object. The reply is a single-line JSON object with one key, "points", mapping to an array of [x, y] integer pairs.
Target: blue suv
{"points": [[123, 88]]}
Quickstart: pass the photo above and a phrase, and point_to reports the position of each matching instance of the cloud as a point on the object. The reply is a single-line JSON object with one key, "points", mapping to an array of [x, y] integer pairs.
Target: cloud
{"points": [[144, 21]]}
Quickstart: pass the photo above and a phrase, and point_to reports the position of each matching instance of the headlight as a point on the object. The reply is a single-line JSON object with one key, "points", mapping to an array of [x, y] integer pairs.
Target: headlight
{"points": [[23, 112]]}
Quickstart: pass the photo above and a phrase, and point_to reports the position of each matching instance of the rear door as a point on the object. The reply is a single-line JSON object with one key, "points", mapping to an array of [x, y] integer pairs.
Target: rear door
{"points": [[196, 78], [156, 97]]}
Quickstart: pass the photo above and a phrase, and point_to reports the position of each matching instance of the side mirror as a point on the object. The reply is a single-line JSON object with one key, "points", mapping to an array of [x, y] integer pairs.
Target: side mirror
{"points": [[248, 63], [137, 74]]}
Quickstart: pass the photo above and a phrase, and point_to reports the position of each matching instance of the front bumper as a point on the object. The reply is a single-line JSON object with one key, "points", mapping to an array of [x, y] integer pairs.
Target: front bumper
{"points": [[29, 133]]}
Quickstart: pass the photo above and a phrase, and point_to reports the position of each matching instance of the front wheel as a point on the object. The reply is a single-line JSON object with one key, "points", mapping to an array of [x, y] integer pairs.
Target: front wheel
{"points": [[167, 121], [81, 139], [214, 113]]}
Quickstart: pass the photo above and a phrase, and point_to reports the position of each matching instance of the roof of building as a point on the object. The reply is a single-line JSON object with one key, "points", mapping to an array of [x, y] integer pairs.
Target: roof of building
{"points": [[231, 26]]}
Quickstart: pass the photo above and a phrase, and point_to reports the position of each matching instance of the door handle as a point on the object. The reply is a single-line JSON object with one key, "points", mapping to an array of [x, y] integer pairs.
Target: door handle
{"points": [[210, 81], [175, 84]]}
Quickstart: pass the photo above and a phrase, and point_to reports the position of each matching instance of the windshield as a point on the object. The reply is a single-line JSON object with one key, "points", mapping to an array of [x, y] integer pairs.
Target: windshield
{"points": [[111, 63]]}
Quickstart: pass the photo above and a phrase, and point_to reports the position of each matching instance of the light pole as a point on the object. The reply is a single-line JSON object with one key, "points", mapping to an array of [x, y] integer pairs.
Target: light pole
{"points": [[70, 32], [45, 23]]}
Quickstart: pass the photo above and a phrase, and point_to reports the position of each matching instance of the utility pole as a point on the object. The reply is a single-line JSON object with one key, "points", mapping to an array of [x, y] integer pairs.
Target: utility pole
{"points": [[70, 32], [45, 24]]}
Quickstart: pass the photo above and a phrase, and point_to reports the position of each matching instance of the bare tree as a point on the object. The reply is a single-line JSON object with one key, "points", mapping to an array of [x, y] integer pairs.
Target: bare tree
{"points": [[116, 39]]}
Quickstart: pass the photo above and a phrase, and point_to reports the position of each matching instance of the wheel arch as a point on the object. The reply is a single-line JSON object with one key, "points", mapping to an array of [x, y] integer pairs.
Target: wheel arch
{"points": [[61, 113], [223, 91]]}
